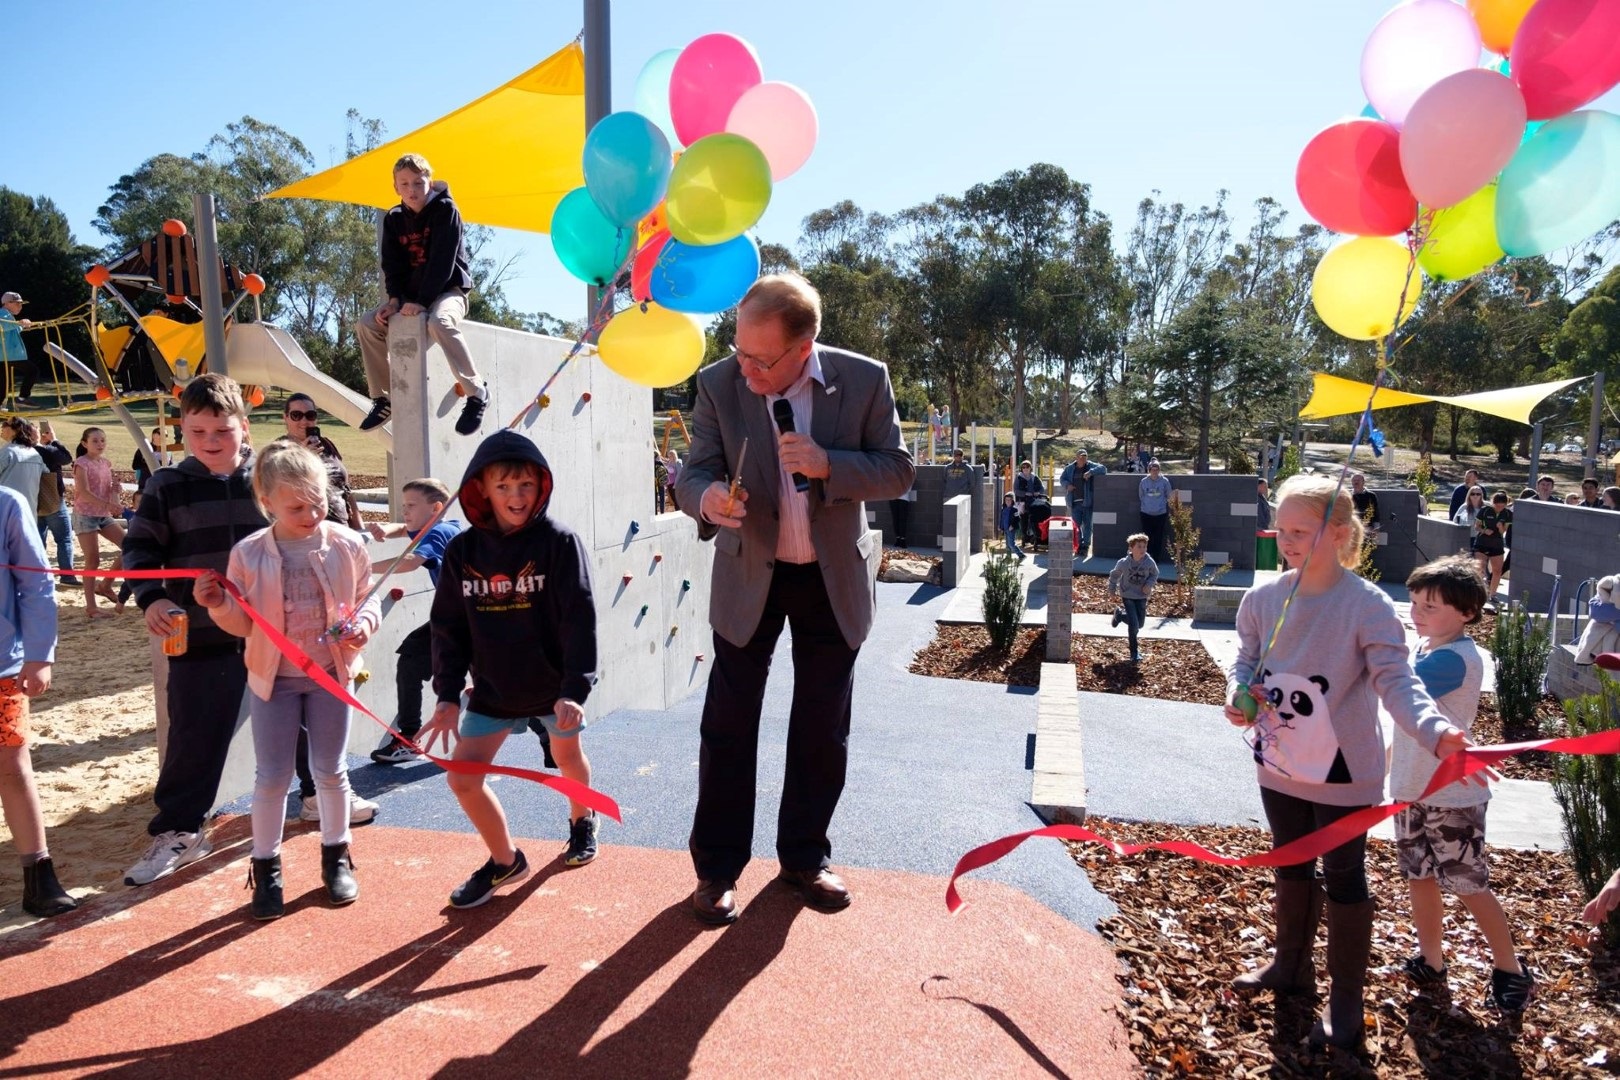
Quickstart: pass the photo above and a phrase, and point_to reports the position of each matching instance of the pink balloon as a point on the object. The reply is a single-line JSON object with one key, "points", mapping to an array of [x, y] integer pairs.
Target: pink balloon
{"points": [[779, 118], [708, 78], [1413, 47], [1566, 54], [1459, 135]]}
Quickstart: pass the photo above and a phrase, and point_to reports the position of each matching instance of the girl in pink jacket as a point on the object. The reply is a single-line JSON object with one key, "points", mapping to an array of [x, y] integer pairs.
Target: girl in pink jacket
{"points": [[304, 575]]}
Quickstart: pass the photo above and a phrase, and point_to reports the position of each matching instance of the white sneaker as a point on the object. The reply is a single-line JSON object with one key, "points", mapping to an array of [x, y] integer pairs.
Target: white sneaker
{"points": [[167, 853], [360, 810]]}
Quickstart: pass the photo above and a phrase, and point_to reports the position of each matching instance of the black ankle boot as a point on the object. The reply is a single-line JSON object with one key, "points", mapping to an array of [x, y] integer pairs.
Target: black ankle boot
{"points": [[43, 895], [337, 870], [265, 877]]}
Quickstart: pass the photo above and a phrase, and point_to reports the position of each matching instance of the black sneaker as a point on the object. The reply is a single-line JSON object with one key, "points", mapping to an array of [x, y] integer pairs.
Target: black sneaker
{"points": [[488, 880], [1119, 616], [1511, 992], [381, 410], [1418, 970], [581, 841], [472, 413], [396, 752]]}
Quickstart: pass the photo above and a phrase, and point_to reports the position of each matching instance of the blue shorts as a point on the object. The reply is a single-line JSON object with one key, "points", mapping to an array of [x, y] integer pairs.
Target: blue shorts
{"points": [[474, 724], [90, 523]]}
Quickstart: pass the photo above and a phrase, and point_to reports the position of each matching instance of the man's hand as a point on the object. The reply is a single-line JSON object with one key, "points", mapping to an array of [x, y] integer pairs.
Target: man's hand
{"points": [[385, 312], [800, 454], [570, 714], [441, 728], [35, 677], [410, 309], [157, 618], [1604, 902], [25, 323], [720, 508], [208, 591]]}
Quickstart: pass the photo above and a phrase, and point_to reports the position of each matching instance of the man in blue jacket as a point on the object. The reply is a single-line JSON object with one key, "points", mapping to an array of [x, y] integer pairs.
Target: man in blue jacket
{"points": [[1076, 481]]}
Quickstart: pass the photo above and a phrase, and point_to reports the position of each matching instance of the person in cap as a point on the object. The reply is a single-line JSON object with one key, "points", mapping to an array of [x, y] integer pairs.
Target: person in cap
{"points": [[13, 353]]}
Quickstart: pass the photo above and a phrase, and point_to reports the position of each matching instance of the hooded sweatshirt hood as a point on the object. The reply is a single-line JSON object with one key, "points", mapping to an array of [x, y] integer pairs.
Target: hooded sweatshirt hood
{"points": [[502, 446]]}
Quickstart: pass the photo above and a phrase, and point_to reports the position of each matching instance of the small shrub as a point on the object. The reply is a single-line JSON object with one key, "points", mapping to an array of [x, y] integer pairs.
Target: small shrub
{"points": [[1423, 480], [1184, 550], [1289, 465], [1369, 548], [1003, 600], [1521, 645], [1588, 791]]}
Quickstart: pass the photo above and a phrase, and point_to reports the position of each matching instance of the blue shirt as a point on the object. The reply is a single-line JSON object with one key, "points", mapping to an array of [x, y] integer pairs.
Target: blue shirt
{"points": [[12, 350], [27, 600], [430, 549]]}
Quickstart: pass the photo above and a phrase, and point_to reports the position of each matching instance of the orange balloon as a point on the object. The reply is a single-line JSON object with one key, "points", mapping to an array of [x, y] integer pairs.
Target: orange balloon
{"points": [[103, 394], [174, 227], [1498, 21], [254, 284], [98, 276]]}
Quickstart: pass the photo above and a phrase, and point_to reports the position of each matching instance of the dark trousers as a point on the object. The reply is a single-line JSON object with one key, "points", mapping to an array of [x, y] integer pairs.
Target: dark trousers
{"points": [[900, 510], [1345, 867], [1135, 616], [205, 699], [1157, 527], [818, 733], [22, 378], [415, 667]]}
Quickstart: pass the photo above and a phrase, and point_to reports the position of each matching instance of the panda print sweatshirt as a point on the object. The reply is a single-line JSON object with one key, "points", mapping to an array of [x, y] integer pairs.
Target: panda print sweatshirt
{"points": [[1338, 655]]}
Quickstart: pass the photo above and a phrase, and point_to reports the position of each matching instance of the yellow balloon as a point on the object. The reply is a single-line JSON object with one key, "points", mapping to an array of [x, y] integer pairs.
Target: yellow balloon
{"points": [[652, 345], [1359, 286], [1498, 21], [718, 190], [1462, 238]]}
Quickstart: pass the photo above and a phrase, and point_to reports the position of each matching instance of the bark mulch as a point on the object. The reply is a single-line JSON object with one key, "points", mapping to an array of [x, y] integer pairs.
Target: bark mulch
{"points": [[1185, 928], [1489, 730], [1165, 601]]}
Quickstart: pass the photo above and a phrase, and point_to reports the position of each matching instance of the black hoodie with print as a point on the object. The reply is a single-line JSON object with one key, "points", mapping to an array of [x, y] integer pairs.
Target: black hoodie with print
{"points": [[514, 609], [424, 255]]}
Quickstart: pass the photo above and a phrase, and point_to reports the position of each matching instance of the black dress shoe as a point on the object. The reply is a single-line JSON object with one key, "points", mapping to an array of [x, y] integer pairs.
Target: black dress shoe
{"points": [[715, 902], [821, 888]]}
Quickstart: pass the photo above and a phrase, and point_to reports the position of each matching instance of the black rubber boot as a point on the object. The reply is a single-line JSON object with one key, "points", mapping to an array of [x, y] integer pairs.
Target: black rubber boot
{"points": [[1298, 907], [265, 877], [43, 895], [1348, 950], [337, 870]]}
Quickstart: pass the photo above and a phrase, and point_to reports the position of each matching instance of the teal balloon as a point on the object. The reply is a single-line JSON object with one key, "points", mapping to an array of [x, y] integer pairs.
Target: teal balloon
{"points": [[704, 280], [627, 163], [590, 246], [1562, 185], [1369, 112], [652, 92]]}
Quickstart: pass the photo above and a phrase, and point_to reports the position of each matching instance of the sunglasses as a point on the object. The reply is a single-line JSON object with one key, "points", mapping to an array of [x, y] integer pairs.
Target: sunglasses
{"points": [[296, 414]]}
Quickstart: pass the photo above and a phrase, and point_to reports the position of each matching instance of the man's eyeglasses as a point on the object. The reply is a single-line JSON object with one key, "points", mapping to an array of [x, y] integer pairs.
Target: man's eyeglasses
{"points": [[762, 364], [297, 414]]}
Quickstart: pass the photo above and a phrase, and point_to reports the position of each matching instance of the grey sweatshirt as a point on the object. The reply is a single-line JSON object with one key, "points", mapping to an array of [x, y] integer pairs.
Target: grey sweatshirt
{"points": [[1133, 578], [1338, 654]]}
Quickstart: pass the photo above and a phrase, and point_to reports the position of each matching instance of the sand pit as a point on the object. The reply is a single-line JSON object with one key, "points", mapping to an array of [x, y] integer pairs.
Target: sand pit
{"points": [[95, 755]]}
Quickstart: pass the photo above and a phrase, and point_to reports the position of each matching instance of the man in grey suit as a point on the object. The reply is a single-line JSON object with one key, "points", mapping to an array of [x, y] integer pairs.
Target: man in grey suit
{"points": [[791, 546]]}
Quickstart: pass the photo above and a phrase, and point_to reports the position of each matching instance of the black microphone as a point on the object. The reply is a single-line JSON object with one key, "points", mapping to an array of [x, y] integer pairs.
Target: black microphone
{"points": [[784, 423]]}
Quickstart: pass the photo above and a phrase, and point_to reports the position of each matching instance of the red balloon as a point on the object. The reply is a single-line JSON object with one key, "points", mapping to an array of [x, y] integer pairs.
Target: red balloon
{"points": [[641, 269], [1350, 180], [1566, 54]]}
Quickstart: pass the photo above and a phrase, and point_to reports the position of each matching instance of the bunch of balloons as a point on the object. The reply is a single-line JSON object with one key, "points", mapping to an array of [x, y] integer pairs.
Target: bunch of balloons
{"points": [[1461, 157], [671, 189]]}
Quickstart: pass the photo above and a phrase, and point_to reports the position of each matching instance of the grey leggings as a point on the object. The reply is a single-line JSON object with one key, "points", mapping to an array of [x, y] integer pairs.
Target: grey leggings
{"points": [[294, 701]]}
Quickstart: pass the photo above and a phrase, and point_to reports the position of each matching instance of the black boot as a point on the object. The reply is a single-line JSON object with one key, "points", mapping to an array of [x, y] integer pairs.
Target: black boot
{"points": [[265, 877], [43, 895], [1298, 906], [337, 870], [1348, 950]]}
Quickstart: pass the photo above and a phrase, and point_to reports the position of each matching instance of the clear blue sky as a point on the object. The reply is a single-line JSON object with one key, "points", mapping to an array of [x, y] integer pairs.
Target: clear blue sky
{"points": [[1186, 96]]}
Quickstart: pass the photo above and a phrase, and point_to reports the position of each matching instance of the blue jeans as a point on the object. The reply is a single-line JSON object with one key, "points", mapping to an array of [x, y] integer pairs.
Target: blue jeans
{"points": [[275, 739], [59, 525], [1012, 541], [1135, 616], [1082, 521]]}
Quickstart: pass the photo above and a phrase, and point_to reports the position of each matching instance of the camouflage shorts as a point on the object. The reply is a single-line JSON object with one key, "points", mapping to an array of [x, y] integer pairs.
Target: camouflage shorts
{"points": [[1446, 843]]}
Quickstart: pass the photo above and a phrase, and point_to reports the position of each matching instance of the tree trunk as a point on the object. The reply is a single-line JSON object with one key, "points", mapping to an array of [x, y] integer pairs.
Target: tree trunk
{"points": [[1018, 397], [1064, 398], [1456, 418], [1206, 398]]}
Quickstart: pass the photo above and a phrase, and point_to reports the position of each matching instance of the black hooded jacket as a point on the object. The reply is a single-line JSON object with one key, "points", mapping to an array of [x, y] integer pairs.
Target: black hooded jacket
{"points": [[424, 255], [514, 609]]}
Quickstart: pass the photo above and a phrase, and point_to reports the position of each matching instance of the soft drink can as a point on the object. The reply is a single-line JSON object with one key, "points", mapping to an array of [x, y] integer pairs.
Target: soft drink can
{"points": [[175, 643]]}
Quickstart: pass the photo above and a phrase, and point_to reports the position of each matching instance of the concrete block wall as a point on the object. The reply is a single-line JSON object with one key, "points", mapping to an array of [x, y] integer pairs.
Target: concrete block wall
{"points": [[926, 523], [1398, 551], [1437, 537], [1571, 542], [1060, 592], [1223, 509], [956, 532]]}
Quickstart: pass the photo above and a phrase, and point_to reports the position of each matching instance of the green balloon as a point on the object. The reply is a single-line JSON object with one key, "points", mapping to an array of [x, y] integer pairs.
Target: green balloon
{"points": [[718, 190], [590, 246], [1462, 238], [1246, 704]]}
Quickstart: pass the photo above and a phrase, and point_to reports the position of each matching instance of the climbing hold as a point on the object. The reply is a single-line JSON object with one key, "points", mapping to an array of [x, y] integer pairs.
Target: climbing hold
{"points": [[685, 585], [396, 594], [628, 578], [361, 677], [635, 527], [461, 391], [672, 630], [700, 658], [586, 396], [544, 400], [658, 556], [643, 614]]}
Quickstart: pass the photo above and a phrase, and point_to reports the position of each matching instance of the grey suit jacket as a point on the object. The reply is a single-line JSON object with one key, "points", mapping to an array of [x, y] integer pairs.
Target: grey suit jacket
{"points": [[854, 420]]}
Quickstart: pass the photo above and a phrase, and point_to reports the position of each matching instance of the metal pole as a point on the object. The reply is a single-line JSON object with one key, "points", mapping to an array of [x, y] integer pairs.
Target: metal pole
{"points": [[1594, 433], [213, 284], [598, 91], [1535, 452]]}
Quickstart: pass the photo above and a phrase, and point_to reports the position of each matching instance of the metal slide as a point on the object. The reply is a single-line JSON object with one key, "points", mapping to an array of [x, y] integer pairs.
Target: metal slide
{"points": [[266, 355]]}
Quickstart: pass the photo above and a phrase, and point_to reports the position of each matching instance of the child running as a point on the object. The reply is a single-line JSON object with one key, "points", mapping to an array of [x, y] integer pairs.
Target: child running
{"points": [[514, 608], [1318, 744], [1132, 580], [1441, 840], [305, 575], [98, 512]]}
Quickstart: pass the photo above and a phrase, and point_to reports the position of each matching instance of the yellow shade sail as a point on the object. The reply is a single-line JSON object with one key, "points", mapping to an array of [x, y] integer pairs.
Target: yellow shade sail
{"points": [[508, 157], [1334, 396]]}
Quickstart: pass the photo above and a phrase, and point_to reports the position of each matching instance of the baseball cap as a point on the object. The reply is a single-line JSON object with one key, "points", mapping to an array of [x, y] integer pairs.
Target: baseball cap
{"points": [[12, 298]]}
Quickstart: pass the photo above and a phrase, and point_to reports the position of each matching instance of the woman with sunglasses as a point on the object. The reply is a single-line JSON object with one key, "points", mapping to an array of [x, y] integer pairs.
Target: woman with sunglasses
{"points": [[300, 417]]}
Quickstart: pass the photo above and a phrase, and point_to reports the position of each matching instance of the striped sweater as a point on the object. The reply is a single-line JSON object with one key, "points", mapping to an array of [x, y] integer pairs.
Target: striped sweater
{"points": [[188, 517]]}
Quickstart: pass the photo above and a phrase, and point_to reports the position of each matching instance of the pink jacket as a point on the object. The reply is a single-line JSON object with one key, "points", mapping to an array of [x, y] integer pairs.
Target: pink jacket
{"points": [[344, 572]]}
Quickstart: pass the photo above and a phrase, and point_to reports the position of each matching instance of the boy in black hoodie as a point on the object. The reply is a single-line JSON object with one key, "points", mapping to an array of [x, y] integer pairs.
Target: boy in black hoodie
{"points": [[513, 608], [425, 268]]}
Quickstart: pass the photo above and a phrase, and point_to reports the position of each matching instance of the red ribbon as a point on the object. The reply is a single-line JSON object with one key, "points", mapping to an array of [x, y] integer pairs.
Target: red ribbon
{"points": [[1463, 763], [585, 796]]}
